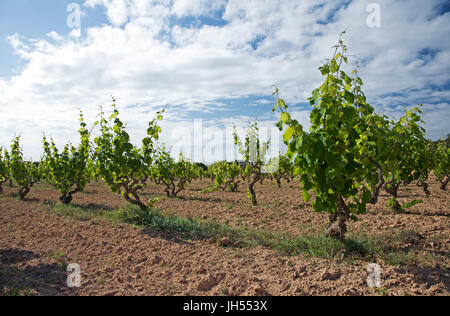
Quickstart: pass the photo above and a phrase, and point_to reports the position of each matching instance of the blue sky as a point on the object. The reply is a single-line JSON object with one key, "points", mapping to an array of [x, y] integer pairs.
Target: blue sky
{"points": [[34, 19], [215, 60]]}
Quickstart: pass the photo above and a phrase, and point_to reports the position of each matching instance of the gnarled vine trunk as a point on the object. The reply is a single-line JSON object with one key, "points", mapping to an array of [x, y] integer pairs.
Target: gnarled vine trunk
{"points": [[379, 185], [391, 189], [68, 197], [232, 185], [23, 191], [422, 182], [278, 183], [337, 228], [171, 188], [424, 186], [444, 183], [135, 200], [395, 205], [251, 188], [130, 189]]}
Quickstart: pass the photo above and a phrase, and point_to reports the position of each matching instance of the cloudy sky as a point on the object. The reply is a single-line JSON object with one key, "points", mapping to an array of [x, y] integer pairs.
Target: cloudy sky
{"points": [[210, 63]]}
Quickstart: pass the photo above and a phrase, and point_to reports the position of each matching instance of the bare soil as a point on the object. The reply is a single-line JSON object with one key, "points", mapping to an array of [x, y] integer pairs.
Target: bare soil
{"points": [[36, 246]]}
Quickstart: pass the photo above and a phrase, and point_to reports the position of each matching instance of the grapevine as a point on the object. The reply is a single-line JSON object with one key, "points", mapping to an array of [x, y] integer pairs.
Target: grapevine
{"points": [[70, 170]]}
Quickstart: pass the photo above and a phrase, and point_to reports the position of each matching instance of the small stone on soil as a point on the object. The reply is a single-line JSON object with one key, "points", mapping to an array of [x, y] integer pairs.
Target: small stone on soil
{"points": [[330, 275], [224, 242], [207, 284]]}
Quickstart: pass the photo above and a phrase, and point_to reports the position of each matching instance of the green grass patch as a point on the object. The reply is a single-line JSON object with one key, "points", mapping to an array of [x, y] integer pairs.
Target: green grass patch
{"points": [[317, 245], [355, 246], [78, 212]]}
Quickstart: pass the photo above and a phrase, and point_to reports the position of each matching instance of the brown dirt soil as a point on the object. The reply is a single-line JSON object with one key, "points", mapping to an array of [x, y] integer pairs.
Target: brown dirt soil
{"points": [[117, 259]]}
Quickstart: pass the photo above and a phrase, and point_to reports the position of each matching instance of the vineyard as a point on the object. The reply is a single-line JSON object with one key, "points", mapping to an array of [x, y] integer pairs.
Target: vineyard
{"points": [[357, 188]]}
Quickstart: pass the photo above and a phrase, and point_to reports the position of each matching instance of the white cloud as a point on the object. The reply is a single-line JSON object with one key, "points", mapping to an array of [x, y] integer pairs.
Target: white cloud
{"points": [[146, 62], [196, 7], [75, 33], [117, 10], [55, 36]]}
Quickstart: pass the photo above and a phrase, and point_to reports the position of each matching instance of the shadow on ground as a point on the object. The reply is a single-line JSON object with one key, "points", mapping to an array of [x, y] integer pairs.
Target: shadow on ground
{"points": [[17, 278], [432, 276]]}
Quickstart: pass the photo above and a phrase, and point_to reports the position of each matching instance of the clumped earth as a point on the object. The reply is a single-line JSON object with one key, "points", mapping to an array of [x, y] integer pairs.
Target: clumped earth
{"points": [[37, 244]]}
